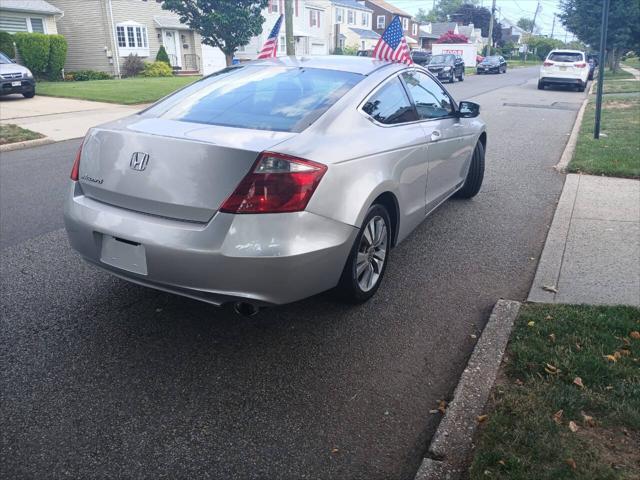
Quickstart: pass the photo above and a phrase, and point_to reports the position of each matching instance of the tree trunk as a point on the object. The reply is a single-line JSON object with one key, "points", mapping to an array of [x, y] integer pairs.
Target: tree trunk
{"points": [[229, 58]]}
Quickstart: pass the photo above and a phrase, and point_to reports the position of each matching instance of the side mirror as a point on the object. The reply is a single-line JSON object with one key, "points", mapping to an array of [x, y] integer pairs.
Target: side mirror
{"points": [[468, 110]]}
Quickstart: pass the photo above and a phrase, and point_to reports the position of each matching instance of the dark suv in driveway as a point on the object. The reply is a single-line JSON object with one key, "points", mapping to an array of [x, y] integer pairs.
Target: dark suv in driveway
{"points": [[15, 78], [447, 67]]}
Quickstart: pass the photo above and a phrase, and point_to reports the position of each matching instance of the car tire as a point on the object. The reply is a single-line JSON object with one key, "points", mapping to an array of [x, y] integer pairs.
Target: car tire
{"points": [[475, 175], [540, 85], [461, 77], [354, 285], [452, 79], [29, 94], [582, 87]]}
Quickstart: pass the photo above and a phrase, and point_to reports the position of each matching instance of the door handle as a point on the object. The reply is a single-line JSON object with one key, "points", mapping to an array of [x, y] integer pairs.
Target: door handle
{"points": [[435, 135]]}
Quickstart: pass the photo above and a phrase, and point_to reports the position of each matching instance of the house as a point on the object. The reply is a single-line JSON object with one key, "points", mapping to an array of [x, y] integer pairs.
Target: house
{"points": [[102, 33], [383, 13], [351, 26], [473, 34], [440, 28], [513, 33], [426, 38], [29, 16]]}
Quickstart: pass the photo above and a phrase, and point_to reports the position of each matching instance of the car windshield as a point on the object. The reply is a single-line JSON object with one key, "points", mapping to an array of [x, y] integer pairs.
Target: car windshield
{"points": [[565, 57], [3, 59], [441, 59], [257, 97]]}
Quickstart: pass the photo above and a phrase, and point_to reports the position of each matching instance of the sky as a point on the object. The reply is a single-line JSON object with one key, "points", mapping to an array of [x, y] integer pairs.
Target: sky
{"points": [[512, 10]]}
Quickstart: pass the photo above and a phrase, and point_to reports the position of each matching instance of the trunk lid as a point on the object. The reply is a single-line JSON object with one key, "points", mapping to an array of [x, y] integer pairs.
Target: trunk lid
{"points": [[169, 168]]}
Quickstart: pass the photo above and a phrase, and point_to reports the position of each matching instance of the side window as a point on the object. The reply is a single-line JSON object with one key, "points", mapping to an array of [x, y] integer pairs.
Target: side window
{"points": [[390, 105], [430, 98]]}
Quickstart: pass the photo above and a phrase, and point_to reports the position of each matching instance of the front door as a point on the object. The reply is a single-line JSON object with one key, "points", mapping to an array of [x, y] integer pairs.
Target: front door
{"points": [[171, 40]]}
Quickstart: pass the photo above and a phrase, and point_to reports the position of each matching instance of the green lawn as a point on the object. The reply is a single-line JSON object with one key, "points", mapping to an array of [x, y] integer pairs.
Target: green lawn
{"points": [[521, 63], [12, 133], [618, 153], [632, 62], [128, 91], [620, 74], [568, 404], [620, 86]]}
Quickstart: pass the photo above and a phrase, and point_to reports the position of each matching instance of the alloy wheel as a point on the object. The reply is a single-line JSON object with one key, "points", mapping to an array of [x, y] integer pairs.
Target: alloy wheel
{"points": [[372, 253]]}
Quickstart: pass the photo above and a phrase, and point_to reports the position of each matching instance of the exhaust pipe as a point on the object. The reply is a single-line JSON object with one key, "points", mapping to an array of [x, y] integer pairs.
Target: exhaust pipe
{"points": [[246, 309]]}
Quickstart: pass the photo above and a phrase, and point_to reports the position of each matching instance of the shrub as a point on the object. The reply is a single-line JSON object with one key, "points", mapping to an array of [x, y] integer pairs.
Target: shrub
{"points": [[69, 77], [451, 37], [6, 45], [157, 69], [132, 65], [57, 56], [34, 50], [84, 75], [162, 56]]}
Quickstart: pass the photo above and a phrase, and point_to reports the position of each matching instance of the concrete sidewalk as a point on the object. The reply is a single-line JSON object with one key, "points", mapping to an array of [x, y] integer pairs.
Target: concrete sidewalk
{"points": [[60, 118], [592, 252]]}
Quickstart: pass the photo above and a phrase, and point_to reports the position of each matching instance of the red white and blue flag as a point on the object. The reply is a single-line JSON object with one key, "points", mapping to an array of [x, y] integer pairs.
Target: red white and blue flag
{"points": [[392, 45], [270, 47]]}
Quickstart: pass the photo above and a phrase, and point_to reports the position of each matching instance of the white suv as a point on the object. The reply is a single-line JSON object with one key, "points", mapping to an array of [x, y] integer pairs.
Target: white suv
{"points": [[564, 67]]}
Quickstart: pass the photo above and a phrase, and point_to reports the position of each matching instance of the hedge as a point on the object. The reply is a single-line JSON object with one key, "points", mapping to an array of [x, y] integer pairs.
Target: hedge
{"points": [[157, 69], [6, 45], [34, 50], [162, 56], [57, 56]]}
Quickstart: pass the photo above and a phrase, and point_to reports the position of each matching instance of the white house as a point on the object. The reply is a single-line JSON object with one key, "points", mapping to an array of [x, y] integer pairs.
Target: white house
{"points": [[351, 26]]}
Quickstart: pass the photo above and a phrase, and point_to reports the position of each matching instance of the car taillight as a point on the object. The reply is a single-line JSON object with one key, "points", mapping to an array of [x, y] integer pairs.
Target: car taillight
{"points": [[75, 170], [580, 65], [277, 183], [548, 64]]}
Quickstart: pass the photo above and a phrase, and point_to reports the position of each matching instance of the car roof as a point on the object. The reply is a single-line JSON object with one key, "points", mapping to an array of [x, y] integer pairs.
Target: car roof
{"points": [[345, 63], [567, 50]]}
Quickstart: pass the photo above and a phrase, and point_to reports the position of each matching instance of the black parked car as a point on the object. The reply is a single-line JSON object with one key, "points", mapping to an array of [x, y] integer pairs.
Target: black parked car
{"points": [[493, 64], [447, 67], [420, 57]]}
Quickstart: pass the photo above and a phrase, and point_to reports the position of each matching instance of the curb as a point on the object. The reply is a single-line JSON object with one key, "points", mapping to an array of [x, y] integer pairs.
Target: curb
{"points": [[26, 144], [569, 148], [452, 443]]}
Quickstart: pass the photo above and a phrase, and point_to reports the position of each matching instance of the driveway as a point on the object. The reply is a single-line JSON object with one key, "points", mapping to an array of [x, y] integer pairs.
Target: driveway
{"points": [[104, 379], [60, 118]]}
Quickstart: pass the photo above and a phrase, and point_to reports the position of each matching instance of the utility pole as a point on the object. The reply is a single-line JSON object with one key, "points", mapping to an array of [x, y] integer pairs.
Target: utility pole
{"points": [[533, 26], [288, 25], [553, 25], [603, 44], [490, 43]]}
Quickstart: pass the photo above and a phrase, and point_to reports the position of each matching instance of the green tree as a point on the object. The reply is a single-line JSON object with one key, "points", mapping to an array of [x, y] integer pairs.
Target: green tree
{"points": [[226, 24], [445, 8], [6, 45], [162, 55], [421, 16], [525, 24], [582, 17], [543, 45]]}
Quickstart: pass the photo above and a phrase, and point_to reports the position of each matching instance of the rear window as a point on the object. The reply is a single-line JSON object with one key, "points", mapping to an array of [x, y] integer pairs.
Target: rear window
{"points": [[262, 98], [566, 57]]}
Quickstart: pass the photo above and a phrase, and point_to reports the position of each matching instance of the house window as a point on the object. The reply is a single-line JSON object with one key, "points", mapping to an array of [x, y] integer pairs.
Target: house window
{"points": [[405, 24], [314, 18], [132, 38], [350, 17], [365, 18], [380, 21], [414, 29], [282, 45], [339, 15], [273, 6], [13, 24]]}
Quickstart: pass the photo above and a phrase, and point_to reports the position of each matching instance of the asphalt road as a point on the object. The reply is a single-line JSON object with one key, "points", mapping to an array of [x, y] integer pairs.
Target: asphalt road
{"points": [[105, 379]]}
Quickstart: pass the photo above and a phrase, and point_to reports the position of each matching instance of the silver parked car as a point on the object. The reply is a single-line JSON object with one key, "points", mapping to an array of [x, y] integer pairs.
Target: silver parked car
{"points": [[272, 181]]}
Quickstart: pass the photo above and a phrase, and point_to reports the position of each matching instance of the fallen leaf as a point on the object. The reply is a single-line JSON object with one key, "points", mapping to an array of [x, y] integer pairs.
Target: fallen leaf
{"points": [[588, 420], [609, 387], [625, 352], [578, 346], [557, 417], [617, 355], [531, 323], [442, 406], [548, 317], [474, 336], [550, 288], [519, 382], [573, 427], [572, 463], [482, 418], [552, 337], [334, 450], [551, 369], [611, 358], [626, 341], [635, 335], [578, 382]]}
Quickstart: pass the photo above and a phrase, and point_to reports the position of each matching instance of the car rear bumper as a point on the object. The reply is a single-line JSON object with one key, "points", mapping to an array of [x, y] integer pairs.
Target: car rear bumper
{"points": [[563, 81], [263, 259], [26, 86]]}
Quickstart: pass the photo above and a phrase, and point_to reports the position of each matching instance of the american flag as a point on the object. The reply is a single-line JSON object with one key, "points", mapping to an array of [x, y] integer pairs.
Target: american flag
{"points": [[270, 47], [392, 45]]}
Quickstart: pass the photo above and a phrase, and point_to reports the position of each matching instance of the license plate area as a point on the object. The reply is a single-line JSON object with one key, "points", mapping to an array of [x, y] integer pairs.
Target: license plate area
{"points": [[562, 69], [16, 84], [123, 254]]}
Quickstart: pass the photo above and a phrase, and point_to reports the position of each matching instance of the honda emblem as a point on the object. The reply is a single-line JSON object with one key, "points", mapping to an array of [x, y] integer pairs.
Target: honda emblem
{"points": [[139, 161]]}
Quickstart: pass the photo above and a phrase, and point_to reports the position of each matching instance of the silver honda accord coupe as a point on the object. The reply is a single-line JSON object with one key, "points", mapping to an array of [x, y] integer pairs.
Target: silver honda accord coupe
{"points": [[272, 181]]}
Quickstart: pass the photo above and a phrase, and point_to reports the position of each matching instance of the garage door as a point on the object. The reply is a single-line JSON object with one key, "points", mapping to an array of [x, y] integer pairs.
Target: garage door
{"points": [[212, 59], [318, 49]]}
